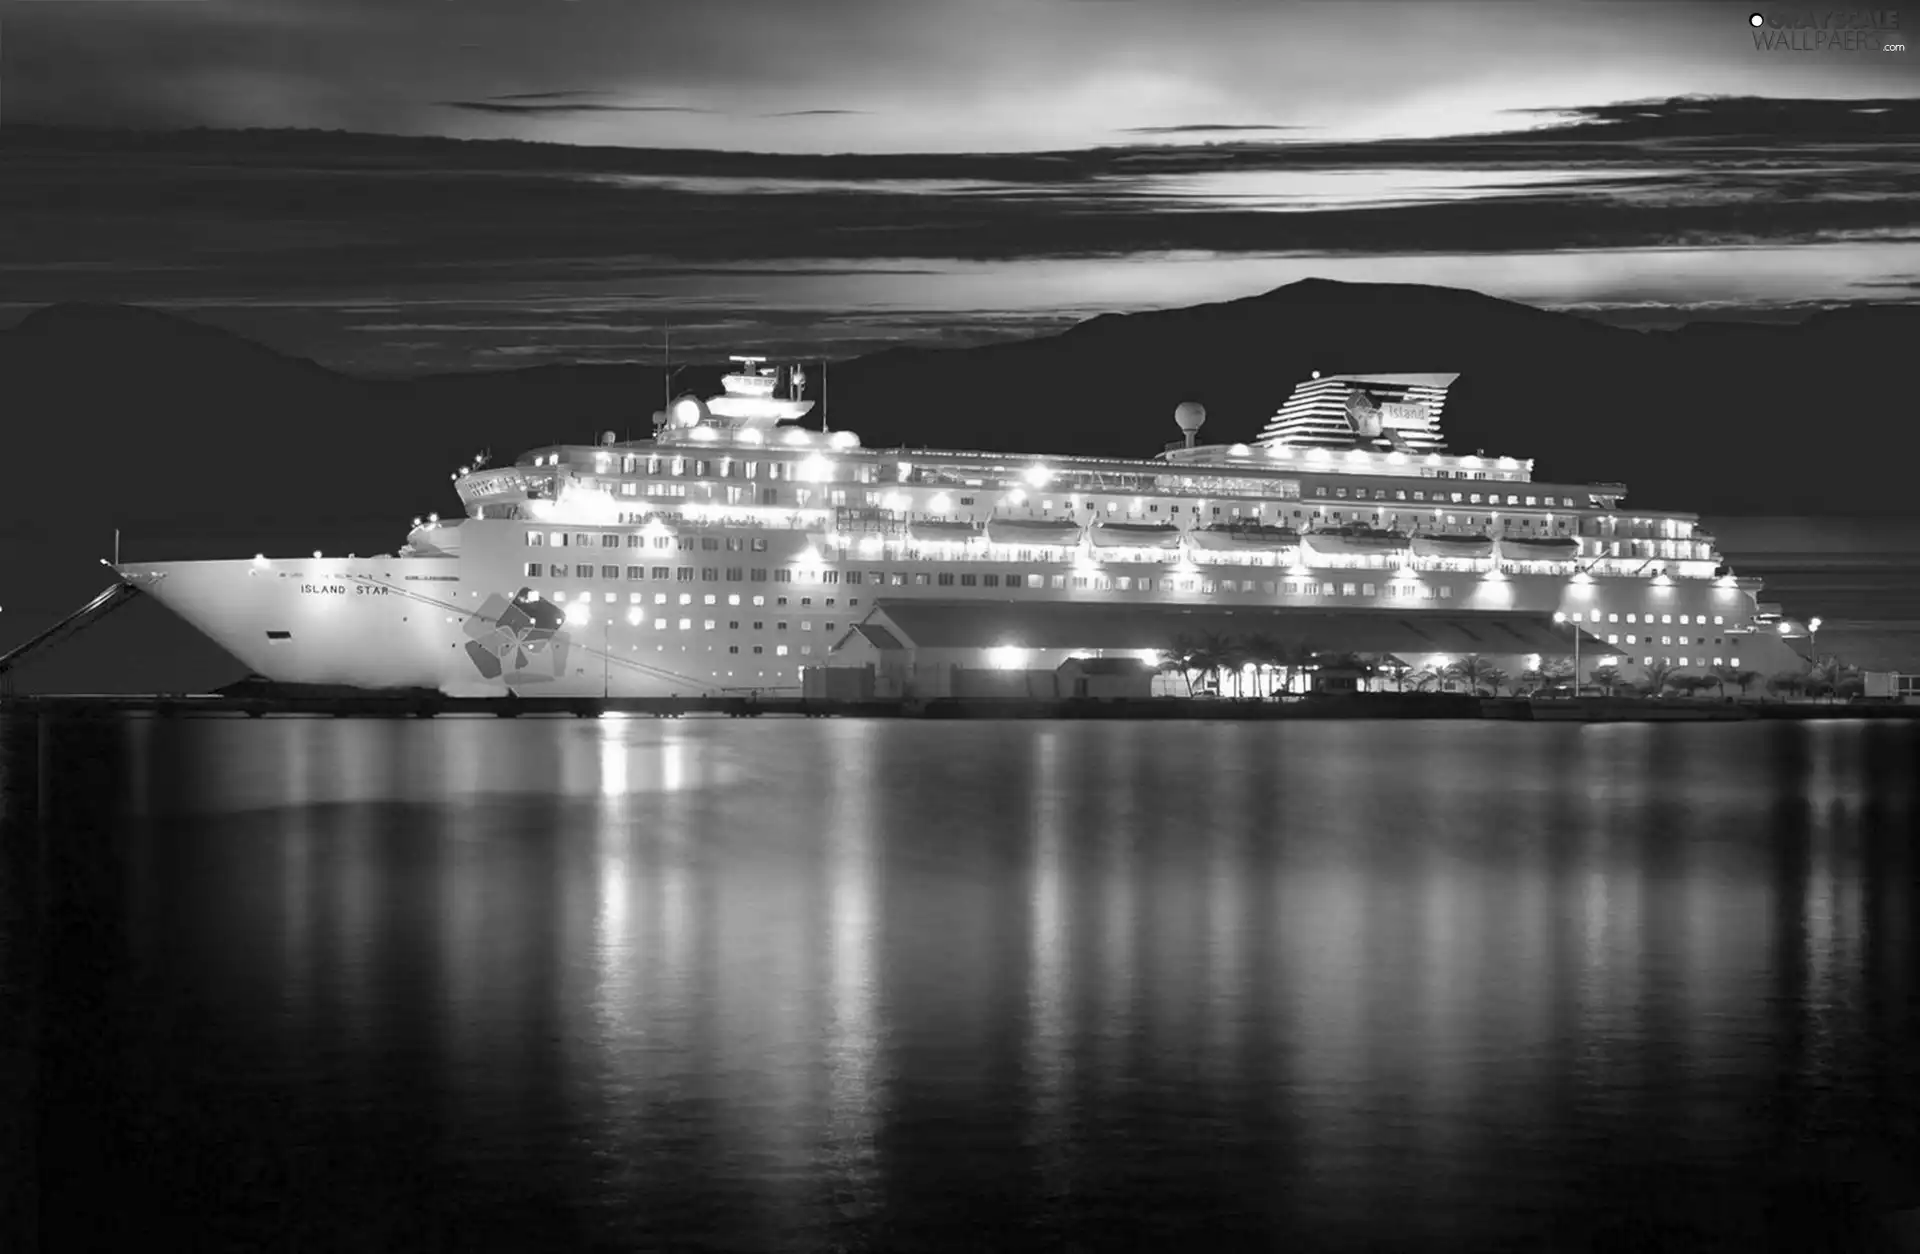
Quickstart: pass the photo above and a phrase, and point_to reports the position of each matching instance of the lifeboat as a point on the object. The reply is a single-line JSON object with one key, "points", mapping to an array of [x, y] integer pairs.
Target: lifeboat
{"points": [[1438, 544], [1135, 536], [1539, 548], [1355, 539], [926, 530], [1058, 531], [1228, 537]]}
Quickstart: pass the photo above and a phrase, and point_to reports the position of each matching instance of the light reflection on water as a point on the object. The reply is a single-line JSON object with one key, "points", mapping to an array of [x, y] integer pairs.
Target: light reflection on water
{"points": [[877, 983]]}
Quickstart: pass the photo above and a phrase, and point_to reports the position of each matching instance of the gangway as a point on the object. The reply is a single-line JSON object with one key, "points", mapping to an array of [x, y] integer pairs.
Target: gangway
{"points": [[92, 612]]}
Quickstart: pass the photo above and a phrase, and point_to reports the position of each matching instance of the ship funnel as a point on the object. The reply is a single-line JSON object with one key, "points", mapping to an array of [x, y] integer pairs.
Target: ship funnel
{"points": [[1190, 416]]}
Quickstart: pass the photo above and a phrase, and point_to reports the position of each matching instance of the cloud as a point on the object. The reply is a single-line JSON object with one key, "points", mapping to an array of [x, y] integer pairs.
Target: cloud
{"points": [[1735, 117], [415, 220], [1198, 128], [814, 113], [550, 95], [504, 105]]}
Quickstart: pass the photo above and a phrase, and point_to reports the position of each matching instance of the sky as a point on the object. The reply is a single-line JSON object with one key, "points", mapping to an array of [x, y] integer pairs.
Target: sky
{"points": [[840, 175], [895, 75]]}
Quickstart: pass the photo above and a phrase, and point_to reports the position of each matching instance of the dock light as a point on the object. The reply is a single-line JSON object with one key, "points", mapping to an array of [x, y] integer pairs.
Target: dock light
{"points": [[260, 559], [434, 519], [578, 612], [1813, 624], [1239, 450], [1559, 617], [416, 522], [1038, 476], [1006, 657], [634, 616], [1785, 628], [940, 503], [316, 554], [466, 470]]}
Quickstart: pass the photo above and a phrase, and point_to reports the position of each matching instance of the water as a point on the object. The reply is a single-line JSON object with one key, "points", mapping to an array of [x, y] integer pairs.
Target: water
{"points": [[721, 985]]}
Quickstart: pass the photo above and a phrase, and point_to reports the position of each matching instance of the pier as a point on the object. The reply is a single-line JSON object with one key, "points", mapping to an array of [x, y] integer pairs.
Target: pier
{"points": [[1379, 705]]}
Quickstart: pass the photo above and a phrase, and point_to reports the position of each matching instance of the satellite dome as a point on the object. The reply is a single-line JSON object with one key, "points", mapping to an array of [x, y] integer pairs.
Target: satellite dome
{"points": [[688, 410], [607, 437], [1189, 415]]}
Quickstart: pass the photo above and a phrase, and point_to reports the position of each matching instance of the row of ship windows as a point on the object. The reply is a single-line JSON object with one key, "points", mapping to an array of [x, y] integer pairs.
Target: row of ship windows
{"points": [[728, 468], [1692, 661], [1698, 620], [1472, 498], [611, 540], [901, 579], [660, 598], [839, 496]]}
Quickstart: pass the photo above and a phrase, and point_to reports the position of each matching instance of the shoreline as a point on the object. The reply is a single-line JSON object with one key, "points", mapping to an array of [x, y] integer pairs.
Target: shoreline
{"points": [[1360, 706]]}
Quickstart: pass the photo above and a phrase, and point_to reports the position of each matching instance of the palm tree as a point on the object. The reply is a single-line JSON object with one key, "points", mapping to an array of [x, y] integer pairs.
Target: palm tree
{"points": [[1724, 675], [1233, 660], [1424, 678], [1264, 652], [1396, 670], [1786, 682], [1658, 676], [1746, 680], [1470, 670], [1177, 658], [1832, 676], [1607, 677], [1295, 656], [1209, 655], [1495, 679]]}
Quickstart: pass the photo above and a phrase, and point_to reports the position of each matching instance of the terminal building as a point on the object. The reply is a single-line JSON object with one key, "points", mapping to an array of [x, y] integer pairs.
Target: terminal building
{"points": [[934, 649]]}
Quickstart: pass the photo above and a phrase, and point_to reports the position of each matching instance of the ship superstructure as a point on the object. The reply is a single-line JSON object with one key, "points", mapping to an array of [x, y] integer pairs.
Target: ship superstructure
{"points": [[734, 548]]}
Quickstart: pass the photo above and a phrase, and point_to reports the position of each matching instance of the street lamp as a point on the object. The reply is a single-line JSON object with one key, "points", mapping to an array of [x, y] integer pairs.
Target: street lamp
{"points": [[1560, 617], [1813, 641]]}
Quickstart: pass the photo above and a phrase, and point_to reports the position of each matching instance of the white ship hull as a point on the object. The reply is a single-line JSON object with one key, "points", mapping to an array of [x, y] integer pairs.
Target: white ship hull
{"points": [[400, 622], [727, 555]]}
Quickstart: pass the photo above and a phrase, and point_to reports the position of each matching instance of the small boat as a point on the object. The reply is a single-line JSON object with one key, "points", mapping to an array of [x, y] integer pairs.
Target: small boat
{"points": [[930, 530], [1135, 536], [1356, 538], [1231, 537], [1440, 544], [1055, 531], [1539, 548]]}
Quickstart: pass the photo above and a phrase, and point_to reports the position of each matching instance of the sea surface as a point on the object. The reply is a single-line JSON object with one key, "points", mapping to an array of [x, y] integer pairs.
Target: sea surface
{"points": [[896, 986]]}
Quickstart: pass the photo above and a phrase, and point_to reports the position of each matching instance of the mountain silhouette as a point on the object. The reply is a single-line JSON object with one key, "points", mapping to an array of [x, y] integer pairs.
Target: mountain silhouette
{"points": [[195, 442]]}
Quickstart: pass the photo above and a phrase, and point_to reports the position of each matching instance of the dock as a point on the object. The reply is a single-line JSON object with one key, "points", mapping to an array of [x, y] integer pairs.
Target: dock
{"points": [[1380, 705]]}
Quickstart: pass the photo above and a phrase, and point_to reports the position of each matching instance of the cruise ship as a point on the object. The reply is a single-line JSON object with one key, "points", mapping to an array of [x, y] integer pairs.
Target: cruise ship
{"points": [[739, 547]]}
